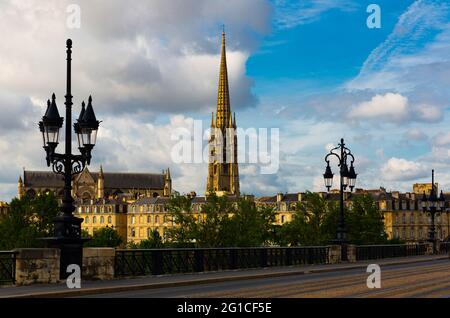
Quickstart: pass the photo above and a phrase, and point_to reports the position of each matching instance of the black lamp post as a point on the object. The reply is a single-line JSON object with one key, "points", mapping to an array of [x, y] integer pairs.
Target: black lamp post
{"points": [[67, 232], [348, 179], [433, 205]]}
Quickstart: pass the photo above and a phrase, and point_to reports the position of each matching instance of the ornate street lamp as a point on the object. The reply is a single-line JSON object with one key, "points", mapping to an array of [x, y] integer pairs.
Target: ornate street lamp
{"points": [[433, 206], [67, 232], [347, 179]]}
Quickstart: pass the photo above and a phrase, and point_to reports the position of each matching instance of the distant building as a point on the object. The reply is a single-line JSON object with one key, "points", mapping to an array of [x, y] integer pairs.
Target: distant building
{"points": [[97, 185], [4, 208], [403, 216], [223, 170]]}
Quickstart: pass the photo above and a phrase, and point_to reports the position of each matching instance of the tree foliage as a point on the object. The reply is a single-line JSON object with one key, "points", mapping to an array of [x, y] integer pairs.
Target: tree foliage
{"points": [[104, 237], [28, 220], [221, 223], [316, 219]]}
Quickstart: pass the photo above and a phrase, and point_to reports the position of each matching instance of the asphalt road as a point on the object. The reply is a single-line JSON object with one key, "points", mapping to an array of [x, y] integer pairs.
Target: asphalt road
{"points": [[427, 279]]}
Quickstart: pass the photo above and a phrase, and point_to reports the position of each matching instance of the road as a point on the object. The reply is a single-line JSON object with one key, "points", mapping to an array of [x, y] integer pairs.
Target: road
{"points": [[426, 279]]}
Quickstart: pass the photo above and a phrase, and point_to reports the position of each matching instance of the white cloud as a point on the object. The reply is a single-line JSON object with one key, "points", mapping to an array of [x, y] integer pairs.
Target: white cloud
{"points": [[397, 169], [391, 107], [415, 134], [137, 61], [290, 14]]}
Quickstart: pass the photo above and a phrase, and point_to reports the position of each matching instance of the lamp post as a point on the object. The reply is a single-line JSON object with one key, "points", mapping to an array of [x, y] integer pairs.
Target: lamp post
{"points": [[347, 179], [433, 205], [67, 231]]}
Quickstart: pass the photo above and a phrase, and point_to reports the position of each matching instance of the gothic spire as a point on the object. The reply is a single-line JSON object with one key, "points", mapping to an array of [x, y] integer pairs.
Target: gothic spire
{"points": [[223, 98]]}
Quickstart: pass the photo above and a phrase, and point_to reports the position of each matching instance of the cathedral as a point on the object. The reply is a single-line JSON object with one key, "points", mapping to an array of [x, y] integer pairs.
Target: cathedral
{"points": [[223, 172], [97, 185]]}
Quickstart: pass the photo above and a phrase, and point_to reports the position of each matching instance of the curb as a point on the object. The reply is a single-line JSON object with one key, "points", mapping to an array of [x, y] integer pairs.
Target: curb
{"points": [[115, 289]]}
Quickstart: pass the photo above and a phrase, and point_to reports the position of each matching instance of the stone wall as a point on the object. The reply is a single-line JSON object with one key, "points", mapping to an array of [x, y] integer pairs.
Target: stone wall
{"points": [[37, 266], [98, 263], [334, 255], [351, 253]]}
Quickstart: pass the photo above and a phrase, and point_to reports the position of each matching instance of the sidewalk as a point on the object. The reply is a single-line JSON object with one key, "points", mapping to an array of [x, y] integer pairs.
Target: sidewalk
{"points": [[150, 282]]}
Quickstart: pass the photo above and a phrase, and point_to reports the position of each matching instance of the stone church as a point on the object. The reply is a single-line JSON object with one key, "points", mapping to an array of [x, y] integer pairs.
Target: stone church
{"points": [[97, 185], [223, 170]]}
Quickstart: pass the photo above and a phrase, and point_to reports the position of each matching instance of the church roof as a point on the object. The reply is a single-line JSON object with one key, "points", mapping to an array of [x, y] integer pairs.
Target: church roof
{"points": [[119, 180]]}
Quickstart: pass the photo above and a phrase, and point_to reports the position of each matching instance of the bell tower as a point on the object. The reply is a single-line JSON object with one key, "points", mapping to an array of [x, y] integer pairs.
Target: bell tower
{"points": [[223, 171]]}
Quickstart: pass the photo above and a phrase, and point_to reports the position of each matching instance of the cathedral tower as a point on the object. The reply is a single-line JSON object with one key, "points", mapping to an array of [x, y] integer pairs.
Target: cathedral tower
{"points": [[223, 172]]}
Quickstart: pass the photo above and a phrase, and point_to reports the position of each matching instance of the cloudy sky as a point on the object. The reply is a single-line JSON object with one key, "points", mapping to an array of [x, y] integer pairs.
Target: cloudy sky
{"points": [[311, 68]]}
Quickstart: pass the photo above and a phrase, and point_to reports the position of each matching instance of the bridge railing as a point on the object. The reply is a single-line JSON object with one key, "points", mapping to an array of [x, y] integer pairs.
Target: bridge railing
{"points": [[368, 252], [7, 267], [168, 261], [444, 247]]}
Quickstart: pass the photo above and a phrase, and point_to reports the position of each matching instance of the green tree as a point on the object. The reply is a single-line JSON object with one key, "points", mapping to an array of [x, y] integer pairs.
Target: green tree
{"points": [[249, 225], [154, 241], [105, 237], [28, 220], [364, 222], [307, 225]]}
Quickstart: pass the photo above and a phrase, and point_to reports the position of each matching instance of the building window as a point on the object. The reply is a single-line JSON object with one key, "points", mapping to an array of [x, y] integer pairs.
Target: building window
{"points": [[109, 220], [133, 220], [133, 232], [86, 220], [94, 219], [157, 219], [149, 219], [102, 220], [282, 219]]}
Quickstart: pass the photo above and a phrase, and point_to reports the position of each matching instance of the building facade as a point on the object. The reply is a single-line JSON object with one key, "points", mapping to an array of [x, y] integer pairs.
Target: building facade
{"points": [[402, 212], [223, 170], [97, 185], [4, 208]]}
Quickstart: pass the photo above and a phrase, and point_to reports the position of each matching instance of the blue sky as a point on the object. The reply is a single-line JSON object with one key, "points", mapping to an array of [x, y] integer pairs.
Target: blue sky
{"points": [[311, 68]]}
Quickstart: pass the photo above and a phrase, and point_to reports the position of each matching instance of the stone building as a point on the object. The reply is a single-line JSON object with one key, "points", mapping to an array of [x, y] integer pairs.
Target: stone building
{"points": [[100, 213], [97, 185], [4, 208], [402, 212], [223, 171]]}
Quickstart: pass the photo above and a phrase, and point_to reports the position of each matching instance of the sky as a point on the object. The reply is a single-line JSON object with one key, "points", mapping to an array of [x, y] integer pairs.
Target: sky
{"points": [[311, 68]]}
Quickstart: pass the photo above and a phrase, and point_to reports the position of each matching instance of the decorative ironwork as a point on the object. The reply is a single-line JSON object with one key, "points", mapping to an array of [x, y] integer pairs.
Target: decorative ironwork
{"points": [[367, 252], [444, 247], [67, 229], [7, 267], [170, 261], [347, 179]]}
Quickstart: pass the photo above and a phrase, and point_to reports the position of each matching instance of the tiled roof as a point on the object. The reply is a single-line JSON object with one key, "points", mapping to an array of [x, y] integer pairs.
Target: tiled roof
{"points": [[119, 180]]}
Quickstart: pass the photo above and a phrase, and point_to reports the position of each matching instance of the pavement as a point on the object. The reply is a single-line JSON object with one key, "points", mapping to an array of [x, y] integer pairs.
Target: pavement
{"points": [[336, 280]]}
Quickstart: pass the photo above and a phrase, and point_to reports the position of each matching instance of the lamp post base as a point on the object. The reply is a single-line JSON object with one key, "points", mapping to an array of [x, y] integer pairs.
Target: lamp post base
{"points": [[68, 239], [343, 243]]}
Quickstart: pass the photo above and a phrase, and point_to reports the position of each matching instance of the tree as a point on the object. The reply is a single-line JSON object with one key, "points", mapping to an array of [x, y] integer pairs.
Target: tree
{"points": [[249, 225], [105, 237], [225, 223], [364, 222], [307, 225], [316, 219], [28, 220], [154, 241]]}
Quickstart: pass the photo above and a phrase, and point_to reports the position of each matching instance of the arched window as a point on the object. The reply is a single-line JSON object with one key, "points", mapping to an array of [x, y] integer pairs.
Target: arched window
{"points": [[86, 220], [102, 220], [109, 220], [157, 219], [94, 219], [86, 196], [133, 232], [155, 194]]}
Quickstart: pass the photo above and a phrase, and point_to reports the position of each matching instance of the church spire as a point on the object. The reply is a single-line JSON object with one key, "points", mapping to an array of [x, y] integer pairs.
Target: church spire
{"points": [[223, 98]]}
